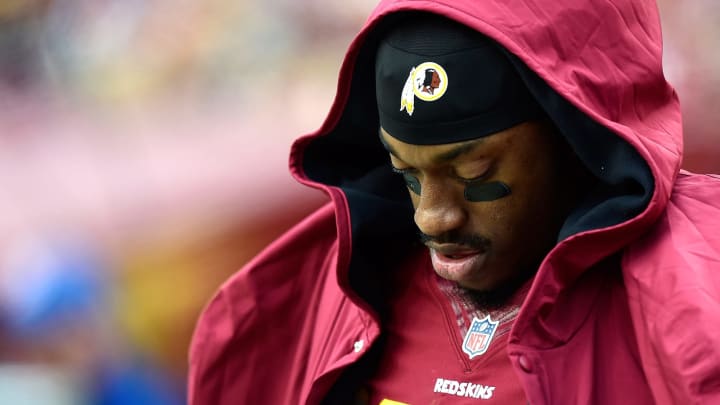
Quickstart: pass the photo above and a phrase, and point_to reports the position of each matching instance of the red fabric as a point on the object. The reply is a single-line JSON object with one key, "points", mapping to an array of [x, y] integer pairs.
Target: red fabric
{"points": [[673, 285], [641, 329], [257, 342], [424, 362]]}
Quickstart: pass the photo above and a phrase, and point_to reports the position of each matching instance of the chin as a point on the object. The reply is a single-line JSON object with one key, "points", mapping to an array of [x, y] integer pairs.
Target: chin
{"points": [[489, 299], [493, 295]]}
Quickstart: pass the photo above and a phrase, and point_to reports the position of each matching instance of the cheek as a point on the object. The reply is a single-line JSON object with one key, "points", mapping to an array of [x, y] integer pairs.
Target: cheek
{"points": [[530, 218], [489, 219], [505, 222]]}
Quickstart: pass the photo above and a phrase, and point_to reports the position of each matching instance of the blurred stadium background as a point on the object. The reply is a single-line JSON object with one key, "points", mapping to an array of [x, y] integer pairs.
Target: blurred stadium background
{"points": [[143, 150]]}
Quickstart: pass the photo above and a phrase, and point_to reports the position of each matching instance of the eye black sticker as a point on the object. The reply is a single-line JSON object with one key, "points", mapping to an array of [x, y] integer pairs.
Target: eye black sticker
{"points": [[412, 182], [485, 191]]}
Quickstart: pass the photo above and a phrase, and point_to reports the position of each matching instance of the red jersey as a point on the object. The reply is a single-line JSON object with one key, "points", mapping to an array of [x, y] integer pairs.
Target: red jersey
{"points": [[433, 356]]}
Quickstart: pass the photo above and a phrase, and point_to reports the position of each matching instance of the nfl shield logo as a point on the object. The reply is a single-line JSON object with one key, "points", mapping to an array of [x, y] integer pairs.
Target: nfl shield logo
{"points": [[478, 337]]}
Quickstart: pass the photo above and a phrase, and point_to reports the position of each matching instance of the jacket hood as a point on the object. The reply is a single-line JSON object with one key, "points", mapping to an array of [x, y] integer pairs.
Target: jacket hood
{"points": [[596, 70]]}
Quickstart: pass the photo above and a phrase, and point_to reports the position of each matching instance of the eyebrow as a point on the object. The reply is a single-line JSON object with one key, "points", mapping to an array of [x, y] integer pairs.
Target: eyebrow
{"points": [[442, 157]]}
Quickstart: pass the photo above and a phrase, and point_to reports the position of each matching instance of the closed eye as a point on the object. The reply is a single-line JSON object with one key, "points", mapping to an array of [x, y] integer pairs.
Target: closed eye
{"points": [[401, 171], [411, 181], [486, 173], [476, 179]]}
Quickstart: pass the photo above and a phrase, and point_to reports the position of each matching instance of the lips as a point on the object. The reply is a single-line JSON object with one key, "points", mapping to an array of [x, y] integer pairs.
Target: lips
{"points": [[456, 254], [457, 263]]}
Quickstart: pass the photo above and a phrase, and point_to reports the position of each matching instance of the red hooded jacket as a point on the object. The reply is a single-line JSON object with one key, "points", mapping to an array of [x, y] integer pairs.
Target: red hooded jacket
{"points": [[624, 309]]}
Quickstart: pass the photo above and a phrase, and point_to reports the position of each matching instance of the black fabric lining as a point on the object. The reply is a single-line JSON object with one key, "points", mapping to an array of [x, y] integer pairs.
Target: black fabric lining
{"points": [[351, 157], [625, 184]]}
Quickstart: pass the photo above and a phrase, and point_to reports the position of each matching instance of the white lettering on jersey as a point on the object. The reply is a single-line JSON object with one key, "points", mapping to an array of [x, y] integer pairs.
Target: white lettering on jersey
{"points": [[463, 389]]}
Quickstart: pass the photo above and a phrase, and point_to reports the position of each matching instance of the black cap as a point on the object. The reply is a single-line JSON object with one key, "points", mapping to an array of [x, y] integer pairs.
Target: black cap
{"points": [[438, 81]]}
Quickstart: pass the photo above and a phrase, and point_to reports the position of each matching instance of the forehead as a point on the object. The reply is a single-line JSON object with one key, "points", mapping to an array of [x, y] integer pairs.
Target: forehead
{"points": [[437, 154]]}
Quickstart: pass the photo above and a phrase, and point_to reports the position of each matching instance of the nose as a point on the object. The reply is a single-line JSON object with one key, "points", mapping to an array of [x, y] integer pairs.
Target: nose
{"points": [[437, 211]]}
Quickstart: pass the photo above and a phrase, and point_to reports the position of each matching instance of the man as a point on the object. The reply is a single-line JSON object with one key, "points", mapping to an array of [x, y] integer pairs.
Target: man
{"points": [[550, 250]]}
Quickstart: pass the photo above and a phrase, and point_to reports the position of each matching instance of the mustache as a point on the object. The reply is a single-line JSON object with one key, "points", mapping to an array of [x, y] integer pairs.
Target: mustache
{"points": [[471, 241]]}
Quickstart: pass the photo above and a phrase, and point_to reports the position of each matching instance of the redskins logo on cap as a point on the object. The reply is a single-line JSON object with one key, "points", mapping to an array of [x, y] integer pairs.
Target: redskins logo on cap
{"points": [[427, 81]]}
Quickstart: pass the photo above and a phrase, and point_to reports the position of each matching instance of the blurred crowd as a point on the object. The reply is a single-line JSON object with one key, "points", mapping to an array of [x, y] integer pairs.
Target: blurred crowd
{"points": [[143, 150]]}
